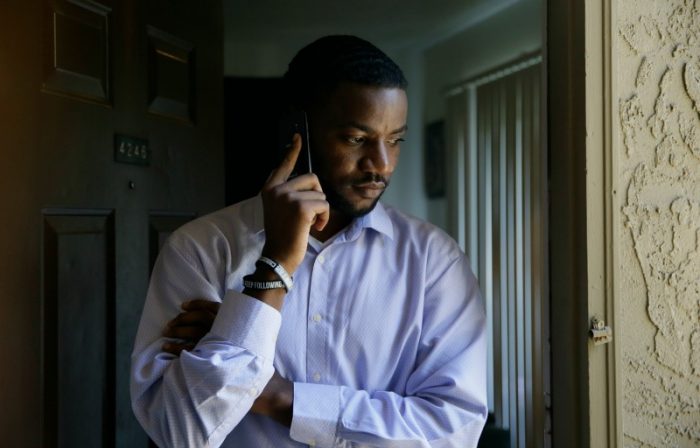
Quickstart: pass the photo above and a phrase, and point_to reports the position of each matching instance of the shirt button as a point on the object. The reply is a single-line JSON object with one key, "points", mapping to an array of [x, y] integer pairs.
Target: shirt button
{"points": [[317, 377], [312, 443], [321, 259], [253, 391], [316, 317]]}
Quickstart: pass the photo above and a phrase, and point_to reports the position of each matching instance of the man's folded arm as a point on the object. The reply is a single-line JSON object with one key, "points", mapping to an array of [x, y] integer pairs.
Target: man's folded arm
{"points": [[444, 404], [197, 399]]}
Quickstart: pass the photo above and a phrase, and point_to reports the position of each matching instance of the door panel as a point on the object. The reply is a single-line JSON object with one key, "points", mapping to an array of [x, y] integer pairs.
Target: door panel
{"points": [[84, 26], [160, 226], [171, 76], [73, 73], [78, 328]]}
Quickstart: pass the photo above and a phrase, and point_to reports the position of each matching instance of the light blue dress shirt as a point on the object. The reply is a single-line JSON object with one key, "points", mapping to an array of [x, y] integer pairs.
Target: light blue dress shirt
{"points": [[383, 335]]}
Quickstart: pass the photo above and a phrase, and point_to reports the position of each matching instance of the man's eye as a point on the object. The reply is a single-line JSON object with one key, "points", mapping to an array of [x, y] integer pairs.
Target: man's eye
{"points": [[396, 141], [355, 140]]}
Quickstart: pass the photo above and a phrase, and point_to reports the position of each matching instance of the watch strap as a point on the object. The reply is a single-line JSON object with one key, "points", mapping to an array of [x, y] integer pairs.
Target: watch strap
{"points": [[279, 270], [250, 283]]}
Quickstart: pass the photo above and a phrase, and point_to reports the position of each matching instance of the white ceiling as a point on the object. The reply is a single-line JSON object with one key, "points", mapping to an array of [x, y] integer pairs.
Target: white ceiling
{"points": [[390, 24]]}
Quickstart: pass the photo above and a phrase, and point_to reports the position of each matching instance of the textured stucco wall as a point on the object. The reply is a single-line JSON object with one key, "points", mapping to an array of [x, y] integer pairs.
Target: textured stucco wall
{"points": [[657, 78]]}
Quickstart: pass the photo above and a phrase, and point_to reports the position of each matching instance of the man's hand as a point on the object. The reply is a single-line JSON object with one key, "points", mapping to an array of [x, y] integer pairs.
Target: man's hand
{"points": [[291, 208], [276, 400], [191, 325]]}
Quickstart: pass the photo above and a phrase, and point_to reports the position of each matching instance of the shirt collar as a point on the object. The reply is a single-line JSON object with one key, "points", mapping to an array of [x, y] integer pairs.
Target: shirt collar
{"points": [[378, 220]]}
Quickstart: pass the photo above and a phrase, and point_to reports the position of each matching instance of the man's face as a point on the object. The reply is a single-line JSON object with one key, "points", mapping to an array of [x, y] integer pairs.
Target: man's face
{"points": [[356, 137]]}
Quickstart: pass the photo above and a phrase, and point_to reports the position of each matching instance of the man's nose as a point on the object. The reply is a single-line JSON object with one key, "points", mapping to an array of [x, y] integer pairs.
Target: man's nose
{"points": [[377, 158]]}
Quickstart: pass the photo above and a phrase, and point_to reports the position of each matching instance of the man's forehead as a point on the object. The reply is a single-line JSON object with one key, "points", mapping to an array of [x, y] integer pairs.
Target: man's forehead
{"points": [[364, 108], [356, 95], [367, 128]]}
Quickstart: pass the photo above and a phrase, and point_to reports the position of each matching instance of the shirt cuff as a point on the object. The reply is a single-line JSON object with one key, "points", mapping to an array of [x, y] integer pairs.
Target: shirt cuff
{"points": [[248, 323], [315, 414]]}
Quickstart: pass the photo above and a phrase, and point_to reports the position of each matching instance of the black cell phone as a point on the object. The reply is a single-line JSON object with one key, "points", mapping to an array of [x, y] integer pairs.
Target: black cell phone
{"points": [[296, 123]]}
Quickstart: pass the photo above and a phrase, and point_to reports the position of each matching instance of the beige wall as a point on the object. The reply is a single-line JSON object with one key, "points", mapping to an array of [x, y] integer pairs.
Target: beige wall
{"points": [[656, 181]]}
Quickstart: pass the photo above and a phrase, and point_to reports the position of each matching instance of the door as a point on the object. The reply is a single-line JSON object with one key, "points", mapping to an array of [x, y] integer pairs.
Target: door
{"points": [[112, 124]]}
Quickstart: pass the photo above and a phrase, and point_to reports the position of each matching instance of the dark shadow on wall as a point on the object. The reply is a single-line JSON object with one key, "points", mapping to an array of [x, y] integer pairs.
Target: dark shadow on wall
{"points": [[252, 109]]}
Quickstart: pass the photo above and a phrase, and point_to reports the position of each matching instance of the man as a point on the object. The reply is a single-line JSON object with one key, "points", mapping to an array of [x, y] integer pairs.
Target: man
{"points": [[380, 340]]}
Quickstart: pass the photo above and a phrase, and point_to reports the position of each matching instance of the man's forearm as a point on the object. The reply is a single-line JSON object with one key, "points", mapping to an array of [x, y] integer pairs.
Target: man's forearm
{"points": [[165, 398]]}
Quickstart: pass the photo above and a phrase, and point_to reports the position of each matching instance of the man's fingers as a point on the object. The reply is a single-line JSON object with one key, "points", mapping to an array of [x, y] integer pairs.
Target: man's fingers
{"points": [[321, 220], [201, 304], [200, 317], [317, 210], [281, 174], [307, 181], [307, 195], [175, 348], [188, 334]]}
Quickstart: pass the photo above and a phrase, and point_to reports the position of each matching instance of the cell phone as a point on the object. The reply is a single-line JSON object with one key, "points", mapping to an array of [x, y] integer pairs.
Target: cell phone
{"points": [[296, 123]]}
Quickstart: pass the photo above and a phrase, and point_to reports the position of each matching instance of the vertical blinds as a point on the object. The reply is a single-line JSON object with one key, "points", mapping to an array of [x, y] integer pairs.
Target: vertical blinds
{"points": [[498, 214]]}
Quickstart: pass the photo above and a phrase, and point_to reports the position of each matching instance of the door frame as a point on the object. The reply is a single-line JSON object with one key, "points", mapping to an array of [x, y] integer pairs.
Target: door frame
{"points": [[579, 85]]}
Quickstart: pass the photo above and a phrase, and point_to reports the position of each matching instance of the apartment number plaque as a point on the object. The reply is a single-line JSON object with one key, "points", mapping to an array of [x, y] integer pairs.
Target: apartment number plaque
{"points": [[131, 150]]}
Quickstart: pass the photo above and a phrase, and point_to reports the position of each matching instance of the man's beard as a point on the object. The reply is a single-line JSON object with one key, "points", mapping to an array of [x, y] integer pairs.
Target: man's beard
{"points": [[342, 205]]}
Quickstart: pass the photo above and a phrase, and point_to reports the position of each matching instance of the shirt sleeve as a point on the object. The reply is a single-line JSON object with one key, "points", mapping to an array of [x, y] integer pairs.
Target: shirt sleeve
{"points": [[197, 399], [444, 404]]}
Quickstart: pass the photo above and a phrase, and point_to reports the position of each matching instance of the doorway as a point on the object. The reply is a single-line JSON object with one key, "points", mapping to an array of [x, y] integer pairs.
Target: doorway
{"points": [[438, 49]]}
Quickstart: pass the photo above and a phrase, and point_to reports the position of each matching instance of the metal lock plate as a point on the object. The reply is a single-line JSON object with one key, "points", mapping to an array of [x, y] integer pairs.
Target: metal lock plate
{"points": [[599, 332]]}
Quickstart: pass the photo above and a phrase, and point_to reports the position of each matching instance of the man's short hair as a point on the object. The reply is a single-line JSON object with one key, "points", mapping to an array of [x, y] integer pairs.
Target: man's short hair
{"points": [[322, 65]]}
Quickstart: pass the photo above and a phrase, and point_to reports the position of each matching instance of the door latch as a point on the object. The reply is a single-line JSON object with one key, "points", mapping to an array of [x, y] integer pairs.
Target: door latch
{"points": [[599, 332]]}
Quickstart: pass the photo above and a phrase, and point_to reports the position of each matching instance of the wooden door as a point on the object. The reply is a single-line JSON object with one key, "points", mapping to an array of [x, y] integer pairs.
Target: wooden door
{"points": [[79, 228]]}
